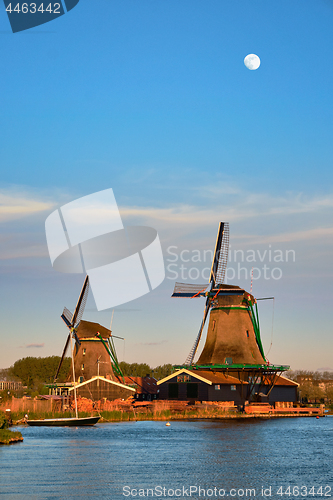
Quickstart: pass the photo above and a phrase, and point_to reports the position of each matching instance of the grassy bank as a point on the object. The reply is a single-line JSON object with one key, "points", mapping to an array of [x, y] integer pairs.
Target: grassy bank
{"points": [[164, 415], [9, 437], [131, 415], [155, 412]]}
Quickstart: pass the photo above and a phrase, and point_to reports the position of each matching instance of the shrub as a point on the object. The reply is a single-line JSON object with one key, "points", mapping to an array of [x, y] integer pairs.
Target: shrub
{"points": [[3, 421]]}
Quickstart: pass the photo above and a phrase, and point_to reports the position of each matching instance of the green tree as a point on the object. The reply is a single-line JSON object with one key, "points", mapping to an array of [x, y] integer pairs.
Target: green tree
{"points": [[135, 369], [4, 373], [329, 393], [34, 372], [162, 371], [311, 392], [4, 424], [142, 370]]}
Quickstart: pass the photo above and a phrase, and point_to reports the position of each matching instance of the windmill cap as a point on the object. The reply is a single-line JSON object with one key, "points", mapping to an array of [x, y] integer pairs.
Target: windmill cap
{"points": [[88, 329]]}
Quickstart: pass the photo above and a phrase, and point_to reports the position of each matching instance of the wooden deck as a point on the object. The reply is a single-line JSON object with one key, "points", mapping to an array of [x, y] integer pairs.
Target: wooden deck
{"points": [[267, 409]]}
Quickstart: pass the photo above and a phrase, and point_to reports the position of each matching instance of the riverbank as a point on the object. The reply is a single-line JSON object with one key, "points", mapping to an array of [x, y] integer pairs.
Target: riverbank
{"points": [[146, 412], [10, 437]]}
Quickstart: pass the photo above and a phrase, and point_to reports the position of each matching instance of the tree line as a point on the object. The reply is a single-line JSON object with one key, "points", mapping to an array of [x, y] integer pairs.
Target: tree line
{"points": [[314, 387], [144, 370], [34, 373]]}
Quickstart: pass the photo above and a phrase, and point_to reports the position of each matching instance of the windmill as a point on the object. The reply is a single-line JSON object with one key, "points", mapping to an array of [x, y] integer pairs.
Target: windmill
{"points": [[93, 348], [73, 320], [216, 279], [94, 353], [233, 341]]}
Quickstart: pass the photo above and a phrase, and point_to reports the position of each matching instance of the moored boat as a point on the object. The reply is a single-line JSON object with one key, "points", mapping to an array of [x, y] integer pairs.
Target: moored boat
{"points": [[65, 422]]}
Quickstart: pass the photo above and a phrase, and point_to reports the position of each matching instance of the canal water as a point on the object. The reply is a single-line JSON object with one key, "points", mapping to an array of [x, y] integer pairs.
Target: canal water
{"points": [[282, 459]]}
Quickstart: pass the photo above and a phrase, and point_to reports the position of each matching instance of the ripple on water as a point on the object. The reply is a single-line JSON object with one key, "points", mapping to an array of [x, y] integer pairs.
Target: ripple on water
{"points": [[96, 462]]}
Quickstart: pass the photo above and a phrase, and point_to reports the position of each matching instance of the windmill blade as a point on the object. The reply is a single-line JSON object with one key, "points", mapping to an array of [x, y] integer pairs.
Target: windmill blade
{"points": [[220, 260], [62, 357], [189, 290], [77, 341], [81, 303], [111, 320], [190, 357], [116, 337], [67, 317]]}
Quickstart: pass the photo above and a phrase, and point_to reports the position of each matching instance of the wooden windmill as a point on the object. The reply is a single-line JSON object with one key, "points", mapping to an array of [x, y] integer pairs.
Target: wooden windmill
{"points": [[233, 342], [93, 352]]}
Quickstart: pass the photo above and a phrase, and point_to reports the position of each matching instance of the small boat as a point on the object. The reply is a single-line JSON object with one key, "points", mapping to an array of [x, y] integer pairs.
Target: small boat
{"points": [[65, 422]]}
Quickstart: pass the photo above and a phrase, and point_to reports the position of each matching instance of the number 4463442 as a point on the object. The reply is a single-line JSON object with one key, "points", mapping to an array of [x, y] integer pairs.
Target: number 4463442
{"points": [[304, 491], [32, 8]]}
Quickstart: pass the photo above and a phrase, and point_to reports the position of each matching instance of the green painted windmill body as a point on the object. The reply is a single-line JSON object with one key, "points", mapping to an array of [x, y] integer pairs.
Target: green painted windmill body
{"points": [[232, 336]]}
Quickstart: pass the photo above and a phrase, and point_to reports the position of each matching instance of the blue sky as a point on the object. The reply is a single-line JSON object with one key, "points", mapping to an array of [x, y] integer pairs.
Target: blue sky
{"points": [[152, 98]]}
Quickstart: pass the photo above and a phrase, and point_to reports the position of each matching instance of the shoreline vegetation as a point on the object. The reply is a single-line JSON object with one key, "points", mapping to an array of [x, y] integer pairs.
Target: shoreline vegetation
{"points": [[129, 411], [153, 412], [10, 437], [7, 436]]}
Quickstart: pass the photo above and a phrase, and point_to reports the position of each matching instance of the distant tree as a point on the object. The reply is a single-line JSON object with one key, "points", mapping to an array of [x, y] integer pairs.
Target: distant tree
{"points": [[315, 376], [142, 370], [4, 423], [329, 393], [162, 371], [135, 369], [291, 374], [311, 392], [34, 372], [4, 373]]}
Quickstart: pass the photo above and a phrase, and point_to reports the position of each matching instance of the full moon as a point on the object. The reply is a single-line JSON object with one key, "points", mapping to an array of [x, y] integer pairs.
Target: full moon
{"points": [[252, 61]]}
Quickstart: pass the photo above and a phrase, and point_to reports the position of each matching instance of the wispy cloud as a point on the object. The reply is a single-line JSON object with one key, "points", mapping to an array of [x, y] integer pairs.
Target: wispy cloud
{"points": [[28, 346], [152, 343], [259, 218], [243, 206], [310, 235], [12, 251], [15, 204]]}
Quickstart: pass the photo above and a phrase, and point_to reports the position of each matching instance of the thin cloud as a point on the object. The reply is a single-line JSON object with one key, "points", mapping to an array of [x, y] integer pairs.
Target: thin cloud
{"points": [[23, 252], [15, 205], [28, 346], [152, 343], [221, 202], [240, 206], [310, 235]]}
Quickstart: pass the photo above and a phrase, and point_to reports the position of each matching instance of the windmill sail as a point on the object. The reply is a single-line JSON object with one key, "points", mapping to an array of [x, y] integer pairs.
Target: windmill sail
{"points": [[217, 275], [67, 317], [62, 357], [72, 320], [81, 303], [192, 353], [220, 259], [189, 290]]}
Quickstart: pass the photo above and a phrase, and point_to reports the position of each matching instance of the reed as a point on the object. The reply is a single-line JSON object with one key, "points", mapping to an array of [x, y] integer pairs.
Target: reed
{"points": [[135, 414], [20, 415]]}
